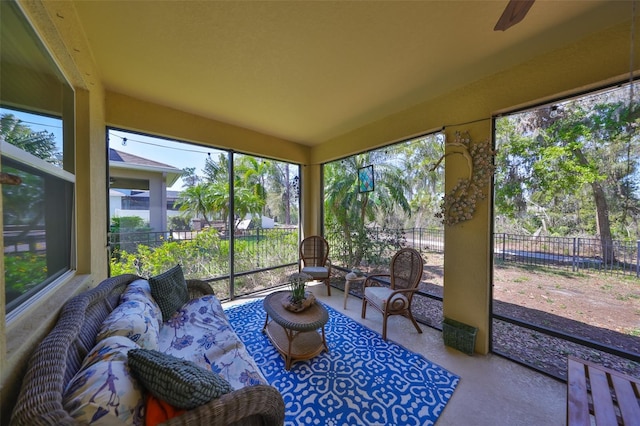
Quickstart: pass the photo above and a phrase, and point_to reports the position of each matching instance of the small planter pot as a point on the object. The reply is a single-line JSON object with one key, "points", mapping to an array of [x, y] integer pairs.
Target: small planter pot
{"points": [[459, 336], [300, 305]]}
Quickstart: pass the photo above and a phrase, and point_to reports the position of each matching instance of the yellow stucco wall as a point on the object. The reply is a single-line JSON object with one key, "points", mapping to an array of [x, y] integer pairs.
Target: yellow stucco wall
{"points": [[600, 58], [311, 200], [136, 115]]}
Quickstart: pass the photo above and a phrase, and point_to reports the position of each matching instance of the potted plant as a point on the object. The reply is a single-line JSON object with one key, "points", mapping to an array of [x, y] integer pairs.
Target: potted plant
{"points": [[299, 299]]}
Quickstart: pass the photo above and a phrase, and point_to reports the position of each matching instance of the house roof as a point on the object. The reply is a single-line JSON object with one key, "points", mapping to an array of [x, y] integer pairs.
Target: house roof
{"points": [[124, 157], [119, 160], [309, 71]]}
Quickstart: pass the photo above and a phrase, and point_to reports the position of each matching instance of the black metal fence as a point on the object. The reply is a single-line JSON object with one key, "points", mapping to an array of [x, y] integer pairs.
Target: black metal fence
{"points": [[261, 258], [282, 242], [377, 245], [572, 253]]}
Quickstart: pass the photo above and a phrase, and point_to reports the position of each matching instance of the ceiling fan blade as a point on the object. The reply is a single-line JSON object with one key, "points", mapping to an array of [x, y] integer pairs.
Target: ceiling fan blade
{"points": [[515, 12]]}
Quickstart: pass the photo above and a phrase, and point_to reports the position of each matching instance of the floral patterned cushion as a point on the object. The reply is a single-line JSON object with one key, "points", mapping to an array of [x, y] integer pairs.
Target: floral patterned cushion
{"points": [[103, 392], [133, 319], [141, 291], [200, 332]]}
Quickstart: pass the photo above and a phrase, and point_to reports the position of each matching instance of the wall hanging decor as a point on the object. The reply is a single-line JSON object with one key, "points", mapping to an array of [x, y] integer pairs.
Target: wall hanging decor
{"points": [[459, 203], [365, 179]]}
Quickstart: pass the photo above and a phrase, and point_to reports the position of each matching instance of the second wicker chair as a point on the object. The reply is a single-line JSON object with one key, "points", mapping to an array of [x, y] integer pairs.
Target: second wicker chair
{"points": [[314, 258], [405, 274]]}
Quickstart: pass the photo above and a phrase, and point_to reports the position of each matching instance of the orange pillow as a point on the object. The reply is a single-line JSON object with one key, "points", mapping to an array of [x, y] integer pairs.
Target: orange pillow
{"points": [[158, 411]]}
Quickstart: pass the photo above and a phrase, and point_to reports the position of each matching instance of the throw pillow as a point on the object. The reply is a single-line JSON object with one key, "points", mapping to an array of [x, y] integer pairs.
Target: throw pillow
{"points": [[181, 383], [158, 411], [169, 289]]}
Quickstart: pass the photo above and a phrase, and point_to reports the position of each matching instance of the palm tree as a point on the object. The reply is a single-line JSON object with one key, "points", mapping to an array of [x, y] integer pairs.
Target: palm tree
{"points": [[211, 198], [197, 201], [350, 212], [249, 179]]}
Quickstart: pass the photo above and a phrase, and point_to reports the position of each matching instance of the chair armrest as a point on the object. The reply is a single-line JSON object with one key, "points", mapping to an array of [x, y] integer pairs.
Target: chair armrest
{"points": [[260, 404], [399, 304], [198, 288], [404, 290], [371, 278]]}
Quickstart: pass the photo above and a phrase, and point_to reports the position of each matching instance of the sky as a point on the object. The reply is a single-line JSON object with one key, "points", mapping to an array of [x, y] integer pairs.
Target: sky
{"points": [[38, 123], [172, 153]]}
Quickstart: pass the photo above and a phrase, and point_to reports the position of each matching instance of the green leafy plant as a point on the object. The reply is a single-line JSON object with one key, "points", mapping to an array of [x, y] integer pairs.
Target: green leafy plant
{"points": [[297, 284]]}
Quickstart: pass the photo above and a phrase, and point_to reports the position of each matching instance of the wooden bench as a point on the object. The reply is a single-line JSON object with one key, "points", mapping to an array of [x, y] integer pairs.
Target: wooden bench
{"points": [[600, 396]]}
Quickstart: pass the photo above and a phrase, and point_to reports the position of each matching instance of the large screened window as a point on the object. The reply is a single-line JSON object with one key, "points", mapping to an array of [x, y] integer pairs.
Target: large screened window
{"points": [[230, 219], [37, 161], [266, 221], [566, 277], [379, 201]]}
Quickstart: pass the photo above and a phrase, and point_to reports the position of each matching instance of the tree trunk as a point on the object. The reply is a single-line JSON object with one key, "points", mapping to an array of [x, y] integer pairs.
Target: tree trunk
{"points": [[604, 227], [602, 216]]}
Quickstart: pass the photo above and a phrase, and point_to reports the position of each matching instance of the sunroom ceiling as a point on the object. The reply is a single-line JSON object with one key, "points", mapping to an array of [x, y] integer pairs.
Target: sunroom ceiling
{"points": [[308, 71]]}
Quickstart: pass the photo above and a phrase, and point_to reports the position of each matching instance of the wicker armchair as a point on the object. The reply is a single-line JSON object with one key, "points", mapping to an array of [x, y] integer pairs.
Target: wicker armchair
{"points": [[59, 355], [314, 257], [405, 274]]}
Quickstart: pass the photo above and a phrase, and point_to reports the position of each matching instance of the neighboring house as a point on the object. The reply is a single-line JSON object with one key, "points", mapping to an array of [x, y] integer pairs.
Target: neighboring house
{"points": [[115, 202], [141, 182], [124, 203]]}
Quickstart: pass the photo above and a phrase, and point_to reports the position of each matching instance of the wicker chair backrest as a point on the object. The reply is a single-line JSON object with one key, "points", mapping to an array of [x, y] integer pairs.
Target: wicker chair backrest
{"points": [[314, 251], [406, 269]]}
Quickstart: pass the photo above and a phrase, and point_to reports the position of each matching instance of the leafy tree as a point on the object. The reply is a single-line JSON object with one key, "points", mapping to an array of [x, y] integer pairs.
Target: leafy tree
{"points": [[565, 159], [40, 144], [426, 183], [189, 176]]}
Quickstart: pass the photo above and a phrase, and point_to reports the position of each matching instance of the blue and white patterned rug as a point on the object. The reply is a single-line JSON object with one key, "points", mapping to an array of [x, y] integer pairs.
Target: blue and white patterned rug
{"points": [[363, 380]]}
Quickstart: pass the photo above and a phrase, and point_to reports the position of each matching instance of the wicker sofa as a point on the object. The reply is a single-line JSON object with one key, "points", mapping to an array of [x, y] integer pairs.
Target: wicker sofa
{"points": [[60, 356]]}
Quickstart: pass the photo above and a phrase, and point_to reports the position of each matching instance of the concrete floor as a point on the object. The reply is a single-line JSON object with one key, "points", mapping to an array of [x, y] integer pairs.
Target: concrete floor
{"points": [[492, 391]]}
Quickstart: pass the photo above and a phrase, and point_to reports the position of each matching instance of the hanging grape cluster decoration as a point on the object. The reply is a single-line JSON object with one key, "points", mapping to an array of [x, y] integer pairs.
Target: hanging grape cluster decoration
{"points": [[459, 203]]}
